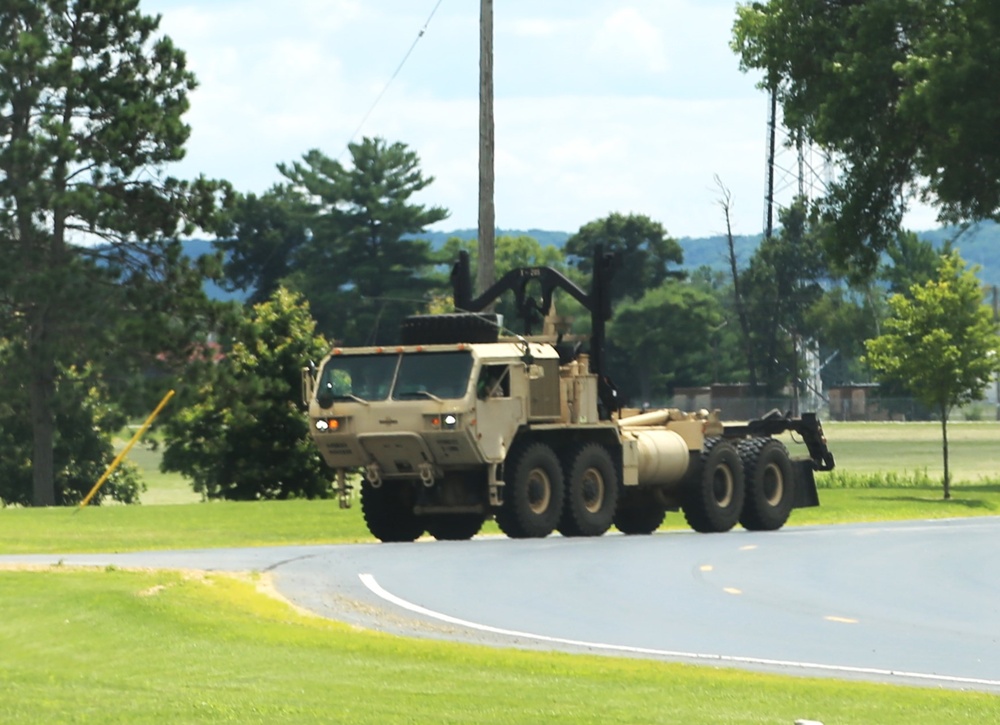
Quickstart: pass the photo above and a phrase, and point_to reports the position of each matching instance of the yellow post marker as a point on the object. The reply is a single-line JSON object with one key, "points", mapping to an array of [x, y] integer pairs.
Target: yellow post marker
{"points": [[121, 456]]}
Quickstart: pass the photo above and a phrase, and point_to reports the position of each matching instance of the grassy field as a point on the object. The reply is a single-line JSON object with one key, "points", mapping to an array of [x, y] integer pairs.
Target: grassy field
{"points": [[106, 645], [907, 448], [274, 523]]}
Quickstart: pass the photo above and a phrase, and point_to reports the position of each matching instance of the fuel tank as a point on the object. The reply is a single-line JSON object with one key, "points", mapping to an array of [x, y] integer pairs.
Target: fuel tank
{"points": [[663, 456]]}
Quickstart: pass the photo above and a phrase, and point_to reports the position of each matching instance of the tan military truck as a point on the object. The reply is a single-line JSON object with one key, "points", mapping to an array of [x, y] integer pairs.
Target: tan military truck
{"points": [[459, 423]]}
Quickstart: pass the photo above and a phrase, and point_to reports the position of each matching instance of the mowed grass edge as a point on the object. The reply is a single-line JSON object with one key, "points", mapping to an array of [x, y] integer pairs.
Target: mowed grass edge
{"points": [[280, 523], [114, 646]]}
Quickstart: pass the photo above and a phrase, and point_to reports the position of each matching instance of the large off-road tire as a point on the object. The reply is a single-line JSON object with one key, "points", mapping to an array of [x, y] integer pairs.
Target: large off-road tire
{"points": [[454, 527], [713, 496], [770, 484], [533, 493], [448, 328], [639, 512], [591, 492], [388, 511]]}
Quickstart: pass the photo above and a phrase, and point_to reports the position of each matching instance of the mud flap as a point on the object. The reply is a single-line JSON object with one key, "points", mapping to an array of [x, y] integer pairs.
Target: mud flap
{"points": [[806, 494]]}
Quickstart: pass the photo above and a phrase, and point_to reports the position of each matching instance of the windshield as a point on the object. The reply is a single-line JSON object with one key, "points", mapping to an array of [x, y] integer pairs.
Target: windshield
{"points": [[433, 375], [353, 377], [367, 378]]}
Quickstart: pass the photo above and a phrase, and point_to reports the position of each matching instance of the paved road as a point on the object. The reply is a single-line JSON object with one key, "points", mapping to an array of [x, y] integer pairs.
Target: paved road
{"points": [[914, 602]]}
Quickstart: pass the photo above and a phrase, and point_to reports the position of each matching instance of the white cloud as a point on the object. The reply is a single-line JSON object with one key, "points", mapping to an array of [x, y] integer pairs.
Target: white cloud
{"points": [[626, 38], [599, 107]]}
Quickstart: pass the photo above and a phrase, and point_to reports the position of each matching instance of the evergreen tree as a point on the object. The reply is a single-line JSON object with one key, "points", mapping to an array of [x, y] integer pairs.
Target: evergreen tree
{"points": [[359, 269], [91, 101]]}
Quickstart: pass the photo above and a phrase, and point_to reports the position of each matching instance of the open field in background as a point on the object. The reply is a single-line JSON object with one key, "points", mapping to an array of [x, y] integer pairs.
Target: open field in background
{"points": [[914, 448]]}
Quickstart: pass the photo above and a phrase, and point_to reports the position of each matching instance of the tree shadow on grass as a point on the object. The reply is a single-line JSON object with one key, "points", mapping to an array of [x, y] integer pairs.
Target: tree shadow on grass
{"points": [[969, 503], [962, 495]]}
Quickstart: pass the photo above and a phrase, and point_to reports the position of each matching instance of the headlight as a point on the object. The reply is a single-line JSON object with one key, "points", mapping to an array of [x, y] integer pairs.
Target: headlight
{"points": [[446, 421], [327, 424]]}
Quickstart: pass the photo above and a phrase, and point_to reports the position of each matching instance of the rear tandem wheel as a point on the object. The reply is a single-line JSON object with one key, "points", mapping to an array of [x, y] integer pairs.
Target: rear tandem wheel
{"points": [[770, 484], [713, 499]]}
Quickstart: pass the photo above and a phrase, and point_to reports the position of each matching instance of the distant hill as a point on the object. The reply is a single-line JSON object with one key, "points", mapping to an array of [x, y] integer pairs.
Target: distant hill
{"points": [[979, 244], [545, 238]]}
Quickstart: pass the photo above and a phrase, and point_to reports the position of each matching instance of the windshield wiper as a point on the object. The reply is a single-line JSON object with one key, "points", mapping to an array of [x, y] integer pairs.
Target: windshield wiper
{"points": [[352, 396], [419, 393]]}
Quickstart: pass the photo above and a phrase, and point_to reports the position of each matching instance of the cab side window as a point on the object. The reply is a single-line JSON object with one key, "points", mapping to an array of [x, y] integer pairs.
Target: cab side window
{"points": [[494, 382]]}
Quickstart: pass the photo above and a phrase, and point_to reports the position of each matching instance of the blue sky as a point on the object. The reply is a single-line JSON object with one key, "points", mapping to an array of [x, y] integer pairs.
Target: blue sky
{"points": [[601, 106]]}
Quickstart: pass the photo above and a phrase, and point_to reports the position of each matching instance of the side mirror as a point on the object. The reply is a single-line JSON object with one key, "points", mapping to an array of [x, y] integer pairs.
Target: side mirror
{"points": [[535, 372], [308, 383]]}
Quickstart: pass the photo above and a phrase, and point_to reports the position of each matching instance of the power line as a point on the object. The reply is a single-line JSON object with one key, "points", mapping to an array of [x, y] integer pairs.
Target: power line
{"points": [[392, 78]]}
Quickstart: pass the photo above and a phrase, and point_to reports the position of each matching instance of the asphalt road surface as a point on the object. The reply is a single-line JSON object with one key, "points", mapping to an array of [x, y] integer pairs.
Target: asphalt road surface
{"points": [[911, 603]]}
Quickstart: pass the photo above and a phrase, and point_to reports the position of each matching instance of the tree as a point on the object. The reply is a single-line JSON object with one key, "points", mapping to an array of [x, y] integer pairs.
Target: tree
{"points": [[941, 343], [910, 261], [780, 284], [358, 270], [90, 110], [901, 91], [739, 304], [646, 252], [840, 321], [238, 433], [665, 340], [83, 449], [265, 239]]}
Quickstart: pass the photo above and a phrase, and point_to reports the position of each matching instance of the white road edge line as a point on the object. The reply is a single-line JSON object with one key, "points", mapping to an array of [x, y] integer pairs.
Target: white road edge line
{"points": [[375, 588]]}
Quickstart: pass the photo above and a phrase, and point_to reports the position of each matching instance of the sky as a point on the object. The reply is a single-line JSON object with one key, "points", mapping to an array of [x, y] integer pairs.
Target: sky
{"points": [[601, 106]]}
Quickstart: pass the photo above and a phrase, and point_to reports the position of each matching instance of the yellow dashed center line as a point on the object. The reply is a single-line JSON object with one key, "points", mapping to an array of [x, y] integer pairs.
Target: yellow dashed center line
{"points": [[706, 567], [748, 547], [732, 590]]}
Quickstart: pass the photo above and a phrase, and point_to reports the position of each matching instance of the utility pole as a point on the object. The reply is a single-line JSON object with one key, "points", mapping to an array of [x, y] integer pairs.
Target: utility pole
{"points": [[772, 133], [486, 272]]}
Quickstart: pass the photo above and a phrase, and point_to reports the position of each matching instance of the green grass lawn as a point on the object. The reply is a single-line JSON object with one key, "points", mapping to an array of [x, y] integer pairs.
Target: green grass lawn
{"points": [[106, 645], [275, 523]]}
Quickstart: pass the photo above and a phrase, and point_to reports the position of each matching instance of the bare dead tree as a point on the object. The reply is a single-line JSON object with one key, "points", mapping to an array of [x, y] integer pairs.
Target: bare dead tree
{"points": [[726, 203]]}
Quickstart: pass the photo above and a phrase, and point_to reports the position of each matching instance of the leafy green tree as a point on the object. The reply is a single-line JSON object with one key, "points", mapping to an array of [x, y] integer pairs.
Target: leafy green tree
{"points": [[910, 261], [239, 433], [265, 239], [941, 343], [782, 281], [840, 321], [901, 91], [90, 111], [647, 253], [359, 271], [664, 339], [83, 450]]}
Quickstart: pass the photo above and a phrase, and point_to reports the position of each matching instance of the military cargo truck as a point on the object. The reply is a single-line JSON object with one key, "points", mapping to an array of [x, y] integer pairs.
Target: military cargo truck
{"points": [[461, 422]]}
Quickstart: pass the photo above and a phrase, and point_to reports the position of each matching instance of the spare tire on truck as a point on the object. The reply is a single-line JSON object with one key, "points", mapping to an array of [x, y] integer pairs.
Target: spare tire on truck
{"points": [[450, 328]]}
